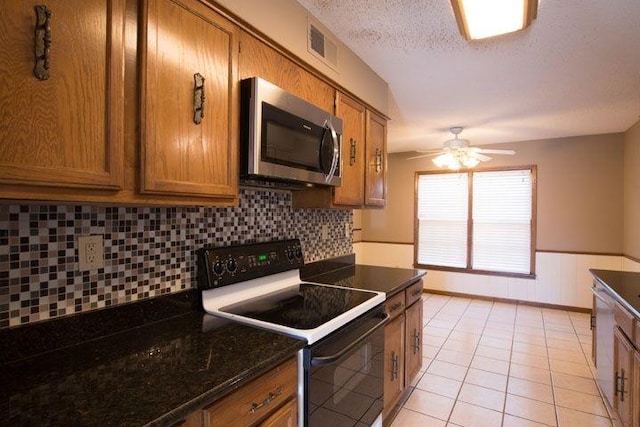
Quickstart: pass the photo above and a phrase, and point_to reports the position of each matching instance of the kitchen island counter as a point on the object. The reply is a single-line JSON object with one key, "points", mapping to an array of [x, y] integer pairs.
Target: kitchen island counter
{"points": [[146, 363], [625, 286]]}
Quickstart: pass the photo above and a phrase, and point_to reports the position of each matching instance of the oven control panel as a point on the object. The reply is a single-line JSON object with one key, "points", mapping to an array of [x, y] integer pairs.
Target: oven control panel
{"points": [[221, 266]]}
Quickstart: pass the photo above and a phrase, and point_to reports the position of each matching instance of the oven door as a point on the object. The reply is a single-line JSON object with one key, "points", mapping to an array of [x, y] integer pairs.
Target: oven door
{"points": [[344, 375]]}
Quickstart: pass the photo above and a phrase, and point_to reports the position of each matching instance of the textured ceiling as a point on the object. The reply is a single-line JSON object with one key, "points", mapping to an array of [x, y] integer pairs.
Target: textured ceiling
{"points": [[575, 71]]}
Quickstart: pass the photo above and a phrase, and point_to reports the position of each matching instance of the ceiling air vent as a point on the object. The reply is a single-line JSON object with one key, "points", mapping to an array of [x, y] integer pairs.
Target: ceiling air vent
{"points": [[322, 46]]}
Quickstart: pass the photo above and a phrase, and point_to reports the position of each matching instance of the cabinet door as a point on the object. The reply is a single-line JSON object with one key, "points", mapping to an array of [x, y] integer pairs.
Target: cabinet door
{"points": [[257, 59], [623, 353], [258, 400], [376, 158], [594, 340], [287, 416], [635, 387], [189, 61], [351, 192], [413, 338], [393, 363], [65, 128]]}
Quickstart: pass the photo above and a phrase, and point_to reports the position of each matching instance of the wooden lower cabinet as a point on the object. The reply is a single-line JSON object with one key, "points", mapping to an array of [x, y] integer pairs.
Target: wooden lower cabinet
{"points": [[286, 416], [413, 341], [402, 346], [393, 363], [636, 388], [268, 401], [625, 388]]}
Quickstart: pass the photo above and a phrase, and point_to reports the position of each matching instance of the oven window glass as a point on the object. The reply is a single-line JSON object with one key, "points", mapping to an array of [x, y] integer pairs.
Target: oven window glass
{"points": [[349, 392], [289, 140]]}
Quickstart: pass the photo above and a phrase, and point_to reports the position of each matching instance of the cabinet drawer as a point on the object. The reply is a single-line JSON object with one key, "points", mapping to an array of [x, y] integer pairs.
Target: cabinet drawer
{"points": [[624, 320], [395, 305], [413, 292], [257, 399]]}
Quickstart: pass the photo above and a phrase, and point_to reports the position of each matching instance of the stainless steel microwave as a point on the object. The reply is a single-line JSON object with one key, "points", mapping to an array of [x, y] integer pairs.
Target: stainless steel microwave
{"points": [[286, 138]]}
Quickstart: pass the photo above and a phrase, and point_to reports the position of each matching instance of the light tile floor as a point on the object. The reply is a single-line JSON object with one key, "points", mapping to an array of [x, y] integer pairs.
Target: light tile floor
{"points": [[495, 364]]}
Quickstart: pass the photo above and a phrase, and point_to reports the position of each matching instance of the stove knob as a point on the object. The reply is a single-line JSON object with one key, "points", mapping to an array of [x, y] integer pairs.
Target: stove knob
{"points": [[299, 252], [218, 268], [232, 265], [290, 255]]}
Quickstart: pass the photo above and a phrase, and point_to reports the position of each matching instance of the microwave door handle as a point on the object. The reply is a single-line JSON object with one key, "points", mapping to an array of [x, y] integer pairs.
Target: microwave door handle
{"points": [[336, 151]]}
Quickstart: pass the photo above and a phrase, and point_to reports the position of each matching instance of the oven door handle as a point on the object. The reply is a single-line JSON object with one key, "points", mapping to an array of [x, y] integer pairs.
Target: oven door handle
{"points": [[327, 360]]}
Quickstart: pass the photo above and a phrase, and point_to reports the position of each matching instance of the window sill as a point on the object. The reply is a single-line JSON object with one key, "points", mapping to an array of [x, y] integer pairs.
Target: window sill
{"points": [[531, 276]]}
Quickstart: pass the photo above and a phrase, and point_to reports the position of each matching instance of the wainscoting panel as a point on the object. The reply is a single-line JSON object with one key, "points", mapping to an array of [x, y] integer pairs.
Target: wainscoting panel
{"points": [[561, 278]]}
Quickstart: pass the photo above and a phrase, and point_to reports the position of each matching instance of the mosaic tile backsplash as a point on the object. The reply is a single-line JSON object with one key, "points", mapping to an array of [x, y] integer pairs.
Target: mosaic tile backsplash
{"points": [[148, 251]]}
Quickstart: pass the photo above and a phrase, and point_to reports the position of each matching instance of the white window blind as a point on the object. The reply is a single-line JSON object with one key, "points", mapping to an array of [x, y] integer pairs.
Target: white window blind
{"points": [[442, 219], [501, 204]]}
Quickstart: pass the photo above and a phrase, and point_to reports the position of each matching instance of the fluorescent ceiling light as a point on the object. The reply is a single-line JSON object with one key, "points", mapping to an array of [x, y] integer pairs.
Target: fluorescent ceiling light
{"points": [[479, 19]]}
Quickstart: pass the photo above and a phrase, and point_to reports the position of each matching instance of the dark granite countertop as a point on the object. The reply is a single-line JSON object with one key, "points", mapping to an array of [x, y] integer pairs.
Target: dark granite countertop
{"points": [[624, 285], [150, 362], [146, 363], [383, 279]]}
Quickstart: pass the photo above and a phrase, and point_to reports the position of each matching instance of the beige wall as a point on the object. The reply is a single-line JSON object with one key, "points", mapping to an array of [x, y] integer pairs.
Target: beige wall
{"points": [[631, 239], [285, 21], [580, 201]]}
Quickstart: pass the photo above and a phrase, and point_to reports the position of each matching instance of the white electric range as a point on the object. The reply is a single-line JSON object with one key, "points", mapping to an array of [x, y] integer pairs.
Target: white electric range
{"points": [[341, 370]]}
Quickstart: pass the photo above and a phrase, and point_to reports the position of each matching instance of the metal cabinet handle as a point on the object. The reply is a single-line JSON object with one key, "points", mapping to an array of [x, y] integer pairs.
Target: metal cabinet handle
{"points": [[378, 160], [416, 341], [395, 307], [270, 398], [198, 98], [394, 366], [352, 152], [416, 292], [621, 378], [42, 42]]}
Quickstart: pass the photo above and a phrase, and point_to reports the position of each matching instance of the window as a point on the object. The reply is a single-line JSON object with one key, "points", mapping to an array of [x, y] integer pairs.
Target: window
{"points": [[477, 221]]}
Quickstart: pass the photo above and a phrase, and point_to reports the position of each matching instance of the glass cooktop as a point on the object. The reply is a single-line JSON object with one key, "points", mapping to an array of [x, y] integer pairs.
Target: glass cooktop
{"points": [[306, 306]]}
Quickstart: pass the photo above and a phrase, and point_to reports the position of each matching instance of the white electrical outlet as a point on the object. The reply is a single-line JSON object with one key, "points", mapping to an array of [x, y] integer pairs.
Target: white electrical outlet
{"points": [[90, 252], [325, 232]]}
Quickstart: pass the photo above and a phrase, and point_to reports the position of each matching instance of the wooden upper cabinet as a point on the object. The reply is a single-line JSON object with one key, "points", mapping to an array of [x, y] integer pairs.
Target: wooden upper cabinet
{"points": [[65, 127], [257, 59], [353, 152], [376, 158], [189, 61]]}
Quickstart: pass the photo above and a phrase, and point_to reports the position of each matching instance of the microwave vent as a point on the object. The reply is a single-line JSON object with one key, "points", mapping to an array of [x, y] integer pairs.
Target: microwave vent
{"points": [[322, 46]]}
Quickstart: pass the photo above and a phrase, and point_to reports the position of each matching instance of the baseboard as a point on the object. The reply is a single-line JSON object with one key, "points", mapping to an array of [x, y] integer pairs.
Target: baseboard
{"points": [[510, 301]]}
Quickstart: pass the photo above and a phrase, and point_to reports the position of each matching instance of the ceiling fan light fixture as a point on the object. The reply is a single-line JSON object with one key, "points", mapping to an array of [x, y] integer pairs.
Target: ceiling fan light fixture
{"points": [[470, 162], [479, 19]]}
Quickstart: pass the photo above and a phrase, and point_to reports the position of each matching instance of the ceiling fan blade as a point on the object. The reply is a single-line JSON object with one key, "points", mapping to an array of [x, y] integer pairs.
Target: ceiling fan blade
{"points": [[422, 156], [490, 151], [433, 150], [479, 156]]}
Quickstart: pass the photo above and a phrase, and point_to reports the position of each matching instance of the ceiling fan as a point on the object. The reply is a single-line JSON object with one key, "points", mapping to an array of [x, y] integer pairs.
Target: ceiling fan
{"points": [[457, 153]]}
